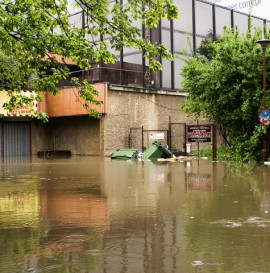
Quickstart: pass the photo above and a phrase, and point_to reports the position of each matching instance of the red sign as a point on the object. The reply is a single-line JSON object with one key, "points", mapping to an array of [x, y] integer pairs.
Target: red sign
{"points": [[199, 133], [264, 116], [20, 111]]}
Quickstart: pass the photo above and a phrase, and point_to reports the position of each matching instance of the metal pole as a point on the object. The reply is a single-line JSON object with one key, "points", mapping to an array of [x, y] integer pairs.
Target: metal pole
{"points": [[264, 43], [265, 144], [264, 77]]}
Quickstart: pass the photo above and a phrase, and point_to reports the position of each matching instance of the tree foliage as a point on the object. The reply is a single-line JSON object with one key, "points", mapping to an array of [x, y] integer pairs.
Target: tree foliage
{"points": [[32, 29], [10, 73], [226, 87]]}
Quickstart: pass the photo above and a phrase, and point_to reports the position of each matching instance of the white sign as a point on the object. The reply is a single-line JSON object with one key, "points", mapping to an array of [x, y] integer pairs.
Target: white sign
{"points": [[157, 136]]}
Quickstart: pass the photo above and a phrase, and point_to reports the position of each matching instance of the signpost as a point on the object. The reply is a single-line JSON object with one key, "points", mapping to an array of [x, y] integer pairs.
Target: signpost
{"points": [[264, 113], [203, 133], [264, 116]]}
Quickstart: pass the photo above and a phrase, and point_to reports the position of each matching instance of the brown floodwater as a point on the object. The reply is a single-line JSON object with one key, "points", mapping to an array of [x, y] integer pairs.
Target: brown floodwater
{"points": [[92, 214]]}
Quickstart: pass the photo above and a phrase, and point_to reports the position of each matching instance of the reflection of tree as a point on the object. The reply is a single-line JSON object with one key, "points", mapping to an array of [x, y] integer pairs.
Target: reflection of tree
{"points": [[16, 244], [58, 250], [221, 233], [247, 175], [67, 226], [71, 252]]}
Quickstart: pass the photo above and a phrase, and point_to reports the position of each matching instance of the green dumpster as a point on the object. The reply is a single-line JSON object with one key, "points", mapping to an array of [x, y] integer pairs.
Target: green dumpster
{"points": [[155, 151], [125, 154]]}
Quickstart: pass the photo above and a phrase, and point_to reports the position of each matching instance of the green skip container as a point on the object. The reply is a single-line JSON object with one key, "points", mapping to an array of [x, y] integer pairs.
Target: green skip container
{"points": [[156, 150], [125, 154]]}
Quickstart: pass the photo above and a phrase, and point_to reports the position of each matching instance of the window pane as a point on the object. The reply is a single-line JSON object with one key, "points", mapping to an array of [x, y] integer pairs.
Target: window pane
{"points": [[223, 18], [130, 50], [241, 21], [76, 20], [204, 18], [166, 73], [178, 66], [166, 23], [184, 23], [166, 38], [112, 50], [198, 41], [181, 42], [133, 58], [256, 23], [90, 37]]}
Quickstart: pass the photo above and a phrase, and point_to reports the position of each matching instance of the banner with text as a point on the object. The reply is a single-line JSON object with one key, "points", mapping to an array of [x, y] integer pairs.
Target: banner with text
{"points": [[199, 133], [17, 111]]}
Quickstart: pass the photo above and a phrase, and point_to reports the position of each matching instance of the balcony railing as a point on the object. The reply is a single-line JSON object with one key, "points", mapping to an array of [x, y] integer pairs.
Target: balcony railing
{"points": [[123, 77]]}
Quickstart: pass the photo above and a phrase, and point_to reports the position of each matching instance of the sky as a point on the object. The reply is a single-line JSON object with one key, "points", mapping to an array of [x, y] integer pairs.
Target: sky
{"points": [[261, 8]]}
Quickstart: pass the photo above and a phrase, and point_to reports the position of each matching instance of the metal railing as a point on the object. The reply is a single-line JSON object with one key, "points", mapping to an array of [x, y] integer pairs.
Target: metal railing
{"points": [[134, 78]]}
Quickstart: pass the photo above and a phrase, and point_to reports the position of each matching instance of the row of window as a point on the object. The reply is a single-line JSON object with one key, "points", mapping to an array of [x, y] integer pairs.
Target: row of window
{"points": [[197, 19]]}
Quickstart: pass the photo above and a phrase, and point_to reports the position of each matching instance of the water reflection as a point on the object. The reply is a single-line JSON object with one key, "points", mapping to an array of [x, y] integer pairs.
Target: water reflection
{"points": [[89, 214]]}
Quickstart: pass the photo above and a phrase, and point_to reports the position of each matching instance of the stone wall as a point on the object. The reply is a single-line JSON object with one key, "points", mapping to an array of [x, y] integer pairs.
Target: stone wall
{"points": [[129, 108]]}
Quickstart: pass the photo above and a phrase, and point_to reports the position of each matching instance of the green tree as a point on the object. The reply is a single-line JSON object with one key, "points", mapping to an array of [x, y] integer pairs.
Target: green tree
{"points": [[226, 87], [10, 74], [32, 29]]}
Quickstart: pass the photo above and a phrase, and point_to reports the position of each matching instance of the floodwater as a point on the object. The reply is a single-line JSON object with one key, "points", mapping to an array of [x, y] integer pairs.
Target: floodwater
{"points": [[91, 214]]}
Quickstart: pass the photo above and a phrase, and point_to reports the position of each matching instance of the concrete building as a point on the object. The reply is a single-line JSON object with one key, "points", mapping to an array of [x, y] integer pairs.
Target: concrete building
{"points": [[139, 105]]}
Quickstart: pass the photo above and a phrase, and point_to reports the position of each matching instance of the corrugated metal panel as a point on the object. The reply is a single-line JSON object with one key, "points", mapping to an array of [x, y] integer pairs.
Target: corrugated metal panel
{"points": [[16, 139]]}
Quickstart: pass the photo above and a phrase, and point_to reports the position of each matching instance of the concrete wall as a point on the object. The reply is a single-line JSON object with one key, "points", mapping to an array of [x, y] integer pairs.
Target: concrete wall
{"points": [[129, 108], [126, 108], [78, 134]]}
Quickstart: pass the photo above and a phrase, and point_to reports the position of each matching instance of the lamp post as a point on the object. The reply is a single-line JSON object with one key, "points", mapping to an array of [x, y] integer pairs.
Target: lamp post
{"points": [[264, 43]]}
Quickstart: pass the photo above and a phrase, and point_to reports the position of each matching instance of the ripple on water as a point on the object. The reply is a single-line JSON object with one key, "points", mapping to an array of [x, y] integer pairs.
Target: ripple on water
{"points": [[207, 262], [253, 220], [50, 268], [228, 223], [256, 272], [197, 263], [258, 221]]}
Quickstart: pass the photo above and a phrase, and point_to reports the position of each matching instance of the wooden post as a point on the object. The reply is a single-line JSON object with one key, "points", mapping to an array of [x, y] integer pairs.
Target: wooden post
{"points": [[142, 139], [170, 134], [214, 143]]}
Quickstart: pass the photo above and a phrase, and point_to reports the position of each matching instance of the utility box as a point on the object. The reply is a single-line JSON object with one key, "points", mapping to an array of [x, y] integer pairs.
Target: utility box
{"points": [[156, 150], [125, 154]]}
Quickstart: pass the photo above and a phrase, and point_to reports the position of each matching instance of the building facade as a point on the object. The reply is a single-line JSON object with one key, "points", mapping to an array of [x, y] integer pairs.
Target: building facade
{"points": [[136, 100]]}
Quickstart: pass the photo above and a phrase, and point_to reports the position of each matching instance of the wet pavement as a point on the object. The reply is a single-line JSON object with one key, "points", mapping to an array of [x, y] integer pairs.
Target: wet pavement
{"points": [[91, 214]]}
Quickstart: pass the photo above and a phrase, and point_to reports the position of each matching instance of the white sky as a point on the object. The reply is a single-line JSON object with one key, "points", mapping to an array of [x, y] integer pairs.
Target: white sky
{"points": [[261, 8]]}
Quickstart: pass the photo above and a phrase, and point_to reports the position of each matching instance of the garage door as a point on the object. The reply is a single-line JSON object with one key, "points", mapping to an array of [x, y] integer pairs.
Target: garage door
{"points": [[15, 139]]}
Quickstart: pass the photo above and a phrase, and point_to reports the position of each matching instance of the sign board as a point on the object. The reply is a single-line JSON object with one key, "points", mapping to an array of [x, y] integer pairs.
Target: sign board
{"points": [[199, 133], [17, 111], [156, 136], [264, 116]]}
